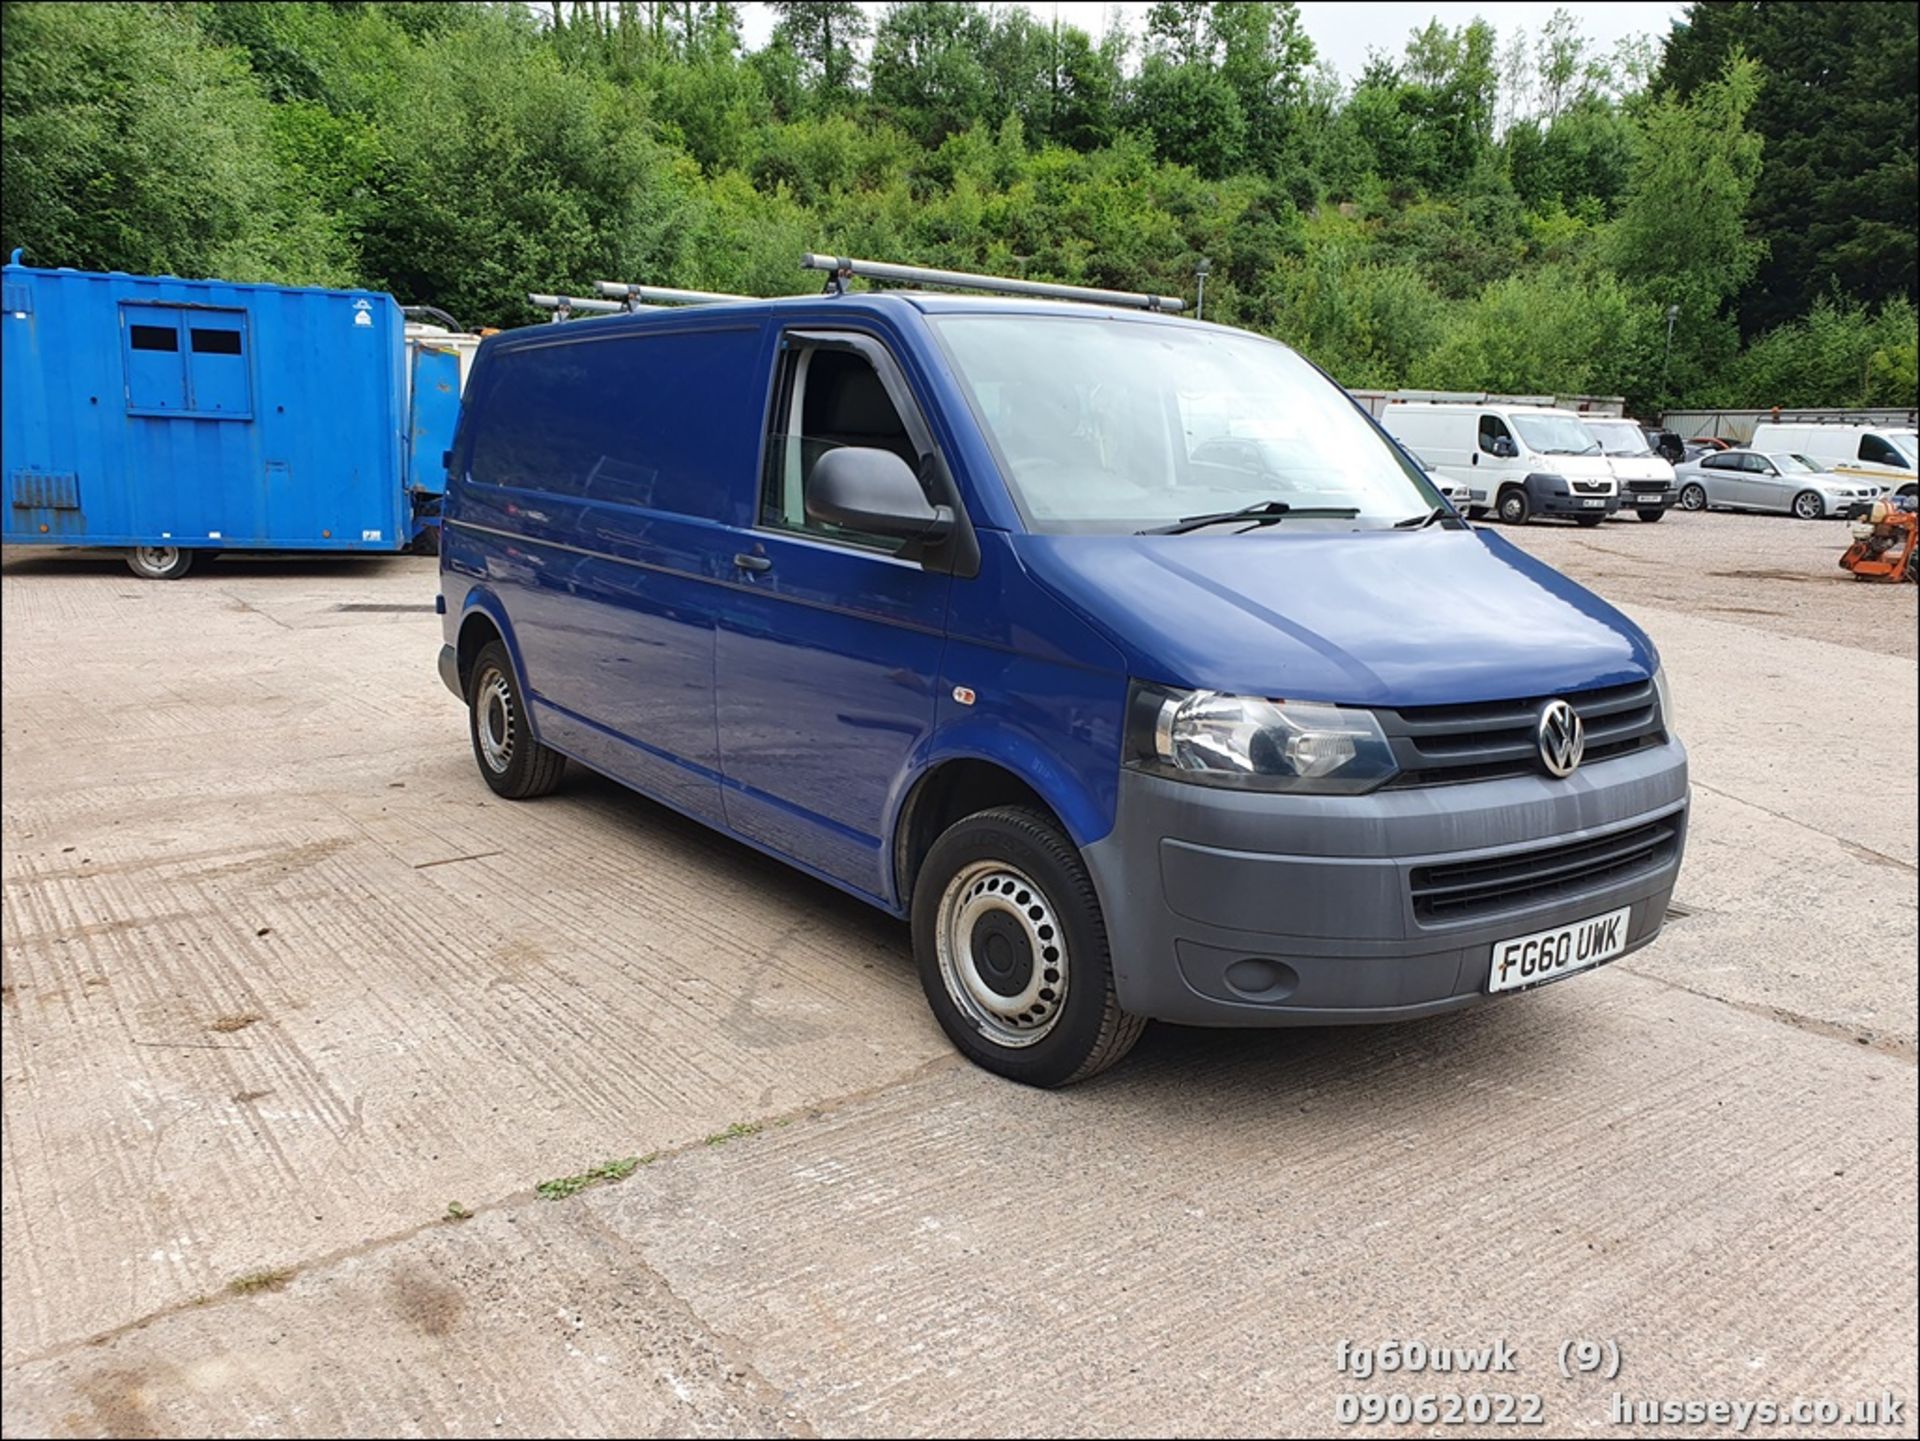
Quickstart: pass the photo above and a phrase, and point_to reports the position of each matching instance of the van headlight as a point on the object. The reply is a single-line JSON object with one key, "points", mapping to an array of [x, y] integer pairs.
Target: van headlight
{"points": [[1252, 743], [1664, 693]]}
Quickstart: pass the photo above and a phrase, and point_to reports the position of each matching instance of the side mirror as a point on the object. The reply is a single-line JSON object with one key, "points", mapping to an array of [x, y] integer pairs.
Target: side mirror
{"points": [[1504, 447], [873, 491]]}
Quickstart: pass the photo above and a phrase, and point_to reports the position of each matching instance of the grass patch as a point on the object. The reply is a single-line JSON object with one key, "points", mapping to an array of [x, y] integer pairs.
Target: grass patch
{"points": [[458, 1212], [565, 1186], [734, 1133], [256, 1281]]}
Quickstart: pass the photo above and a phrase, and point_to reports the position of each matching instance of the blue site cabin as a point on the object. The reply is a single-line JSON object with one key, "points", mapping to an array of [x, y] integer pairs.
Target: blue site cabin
{"points": [[172, 417]]}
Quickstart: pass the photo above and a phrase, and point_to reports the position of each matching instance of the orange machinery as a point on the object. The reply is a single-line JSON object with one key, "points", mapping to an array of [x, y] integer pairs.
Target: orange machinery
{"points": [[1886, 544]]}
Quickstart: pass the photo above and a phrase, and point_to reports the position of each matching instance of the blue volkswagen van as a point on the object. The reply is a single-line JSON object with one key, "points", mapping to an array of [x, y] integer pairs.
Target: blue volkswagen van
{"points": [[1123, 655]]}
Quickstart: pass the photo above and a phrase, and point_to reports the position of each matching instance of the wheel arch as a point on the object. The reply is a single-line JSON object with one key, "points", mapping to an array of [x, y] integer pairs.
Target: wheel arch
{"points": [[485, 619], [955, 785]]}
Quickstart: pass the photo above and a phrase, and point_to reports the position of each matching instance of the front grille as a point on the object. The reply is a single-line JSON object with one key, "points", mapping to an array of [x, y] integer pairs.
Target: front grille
{"points": [[1591, 487], [1460, 890], [1441, 745], [1656, 486]]}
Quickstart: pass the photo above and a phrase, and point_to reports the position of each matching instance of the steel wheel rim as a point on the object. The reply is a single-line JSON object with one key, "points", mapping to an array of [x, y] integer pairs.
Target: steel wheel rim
{"points": [[987, 910], [1807, 506], [493, 720], [157, 557], [1510, 509]]}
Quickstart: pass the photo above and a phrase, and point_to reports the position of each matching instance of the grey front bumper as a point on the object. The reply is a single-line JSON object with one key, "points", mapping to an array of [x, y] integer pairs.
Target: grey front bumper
{"points": [[1316, 891]]}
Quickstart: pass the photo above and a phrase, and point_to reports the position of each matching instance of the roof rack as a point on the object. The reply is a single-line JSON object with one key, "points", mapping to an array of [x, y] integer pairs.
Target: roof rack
{"points": [[639, 295], [564, 307], [841, 269]]}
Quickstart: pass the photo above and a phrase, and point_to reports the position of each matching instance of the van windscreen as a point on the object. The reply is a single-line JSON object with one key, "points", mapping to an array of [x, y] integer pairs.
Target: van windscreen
{"points": [[1109, 425], [1554, 434]]}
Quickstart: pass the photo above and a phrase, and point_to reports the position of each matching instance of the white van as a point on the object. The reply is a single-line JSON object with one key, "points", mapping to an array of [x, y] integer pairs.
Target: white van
{"points": [[1518, 461], [1647, 486], [1869, 452]]}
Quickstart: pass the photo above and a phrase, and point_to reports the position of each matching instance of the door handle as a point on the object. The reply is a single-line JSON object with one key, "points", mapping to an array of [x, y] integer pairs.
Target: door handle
{"points": [[743, 561]]}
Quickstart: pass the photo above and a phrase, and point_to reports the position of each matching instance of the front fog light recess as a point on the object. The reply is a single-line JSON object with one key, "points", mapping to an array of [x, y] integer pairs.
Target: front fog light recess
{"points": [[1256, 743]]}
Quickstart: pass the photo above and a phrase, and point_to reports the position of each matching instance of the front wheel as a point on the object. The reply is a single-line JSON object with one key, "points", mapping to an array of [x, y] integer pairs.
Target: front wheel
{"points": [[1012, 951], [1649, 516], [511, 761], [1808, 505], [1693, 496], [1514, 508], [159, 562]]}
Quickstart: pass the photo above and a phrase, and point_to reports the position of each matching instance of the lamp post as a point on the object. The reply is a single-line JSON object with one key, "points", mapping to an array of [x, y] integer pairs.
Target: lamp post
{"points": [[1673, 314], [1200, 273]]}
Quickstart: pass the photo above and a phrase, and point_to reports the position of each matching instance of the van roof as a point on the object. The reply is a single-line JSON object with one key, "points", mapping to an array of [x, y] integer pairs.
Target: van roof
{"points": [[1476, 407], [857, 302]]}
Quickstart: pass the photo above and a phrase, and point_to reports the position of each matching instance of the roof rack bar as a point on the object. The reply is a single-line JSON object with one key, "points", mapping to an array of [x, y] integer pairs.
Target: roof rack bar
{"points": [[560, 307], [661, 294], [840, 268]]}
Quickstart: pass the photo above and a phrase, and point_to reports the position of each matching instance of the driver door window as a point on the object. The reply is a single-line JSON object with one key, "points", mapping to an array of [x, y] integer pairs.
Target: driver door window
{"points": [[826, 396], [1493, 428], [1877, 452]]}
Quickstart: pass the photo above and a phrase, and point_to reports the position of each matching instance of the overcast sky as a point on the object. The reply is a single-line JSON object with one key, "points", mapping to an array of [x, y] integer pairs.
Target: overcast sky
{"points": [[1344, 31]]}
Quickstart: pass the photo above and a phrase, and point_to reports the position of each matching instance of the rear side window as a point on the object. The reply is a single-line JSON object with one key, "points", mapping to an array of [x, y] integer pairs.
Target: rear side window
{"points": [[666, 422]]}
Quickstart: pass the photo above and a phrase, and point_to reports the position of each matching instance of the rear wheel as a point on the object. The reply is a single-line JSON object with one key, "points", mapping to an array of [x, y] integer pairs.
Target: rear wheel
{"points": [[1650, 516], [159, 562], [1012, 951], [511, 761], [1693, 496], [1514, 508], [1808, 505]]}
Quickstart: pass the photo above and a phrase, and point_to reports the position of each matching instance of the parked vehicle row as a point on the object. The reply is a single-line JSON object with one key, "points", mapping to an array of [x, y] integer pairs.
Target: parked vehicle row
{"points": [[1522, 461], [1884, 456]]}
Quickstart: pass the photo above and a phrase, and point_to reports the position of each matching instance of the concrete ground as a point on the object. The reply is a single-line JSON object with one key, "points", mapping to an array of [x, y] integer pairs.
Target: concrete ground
{"points": [[297, 1016]]}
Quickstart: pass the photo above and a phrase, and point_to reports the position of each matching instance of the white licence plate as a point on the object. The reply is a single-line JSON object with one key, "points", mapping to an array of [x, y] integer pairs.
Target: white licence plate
{"points": [[1593, 504], [1548, 955]]}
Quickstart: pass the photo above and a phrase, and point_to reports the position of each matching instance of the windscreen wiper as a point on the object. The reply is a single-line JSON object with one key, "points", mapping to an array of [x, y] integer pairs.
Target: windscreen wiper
{"points": [[1421, 522], [1268, 512]]}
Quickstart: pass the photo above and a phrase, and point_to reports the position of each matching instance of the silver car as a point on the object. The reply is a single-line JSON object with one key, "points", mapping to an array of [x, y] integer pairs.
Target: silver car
{"points": [[1772, 480]]}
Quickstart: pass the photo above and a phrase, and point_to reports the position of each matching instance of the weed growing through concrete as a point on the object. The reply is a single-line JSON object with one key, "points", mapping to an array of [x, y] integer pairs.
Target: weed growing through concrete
{"points": [[734, 1133], [458, 1212], [255, 1281], [606, 1171]]}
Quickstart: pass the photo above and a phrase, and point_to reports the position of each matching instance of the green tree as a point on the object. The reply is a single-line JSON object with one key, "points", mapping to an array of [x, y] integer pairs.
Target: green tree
{"points": [[927, 68], [132, 143], [1681, 237], [824, 34], [1838, 110]]}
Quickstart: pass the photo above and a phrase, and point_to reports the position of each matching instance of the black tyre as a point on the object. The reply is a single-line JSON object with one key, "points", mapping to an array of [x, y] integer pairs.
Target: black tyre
{"points": [[1693, 496], [159, 562], [1808, 505], [511, 761], [1650, 516], [1514, 508], [1012, 951], [1588, 522]]}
